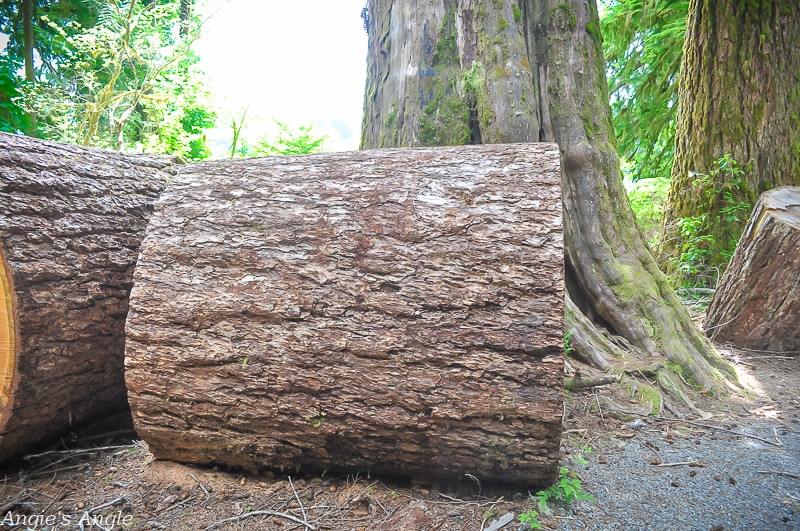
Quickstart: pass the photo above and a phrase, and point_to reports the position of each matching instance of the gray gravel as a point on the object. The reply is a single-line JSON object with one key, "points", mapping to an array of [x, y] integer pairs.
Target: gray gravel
{"points": [[728, 493]]}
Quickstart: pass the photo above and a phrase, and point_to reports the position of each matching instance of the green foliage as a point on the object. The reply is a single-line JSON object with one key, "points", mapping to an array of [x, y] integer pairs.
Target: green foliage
{"points": [[286, 141], [579, 456], [13, 118], [567, 490], [472, 80], [302, 141], [723, 215], [446, 52], [567, 344], [643, 42], [531, 517], [517, 13], [647, 198], [115, 73]]}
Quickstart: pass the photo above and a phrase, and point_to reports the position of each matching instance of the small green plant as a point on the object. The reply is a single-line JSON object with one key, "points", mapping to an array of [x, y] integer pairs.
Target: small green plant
{"points": [[697, 248], [517, 13], [567, 490], [710, 238], [567, 343], [579, 457], [531, 517]]}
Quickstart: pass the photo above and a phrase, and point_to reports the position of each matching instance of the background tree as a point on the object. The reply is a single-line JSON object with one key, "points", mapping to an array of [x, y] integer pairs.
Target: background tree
{"points": [[738, 128], [301, 141], [249, 137], [642, 41], [452, 72], [115, 74]]}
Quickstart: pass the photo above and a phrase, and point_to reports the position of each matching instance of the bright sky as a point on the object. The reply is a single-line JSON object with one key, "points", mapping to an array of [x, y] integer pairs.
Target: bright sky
{"points": [[297, 61]]}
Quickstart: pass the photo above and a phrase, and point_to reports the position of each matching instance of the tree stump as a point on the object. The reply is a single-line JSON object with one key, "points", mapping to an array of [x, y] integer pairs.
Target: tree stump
{"points": [[71, 221], [757, 305], [398, 312]]}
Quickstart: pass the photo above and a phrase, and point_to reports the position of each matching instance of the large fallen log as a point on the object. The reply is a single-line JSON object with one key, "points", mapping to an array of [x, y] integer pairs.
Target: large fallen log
{"points": [[396, 311], [71, 221], [757, 304]]}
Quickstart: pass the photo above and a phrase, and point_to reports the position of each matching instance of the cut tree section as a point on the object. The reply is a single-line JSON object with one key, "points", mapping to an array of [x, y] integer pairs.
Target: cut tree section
{"points": [[71, 221], [757, 305], [7, 335], [397, 312]]}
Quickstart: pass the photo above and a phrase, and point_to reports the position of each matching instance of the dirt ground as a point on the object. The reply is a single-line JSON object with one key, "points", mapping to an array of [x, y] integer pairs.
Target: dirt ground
{"points": [[102, 479]]}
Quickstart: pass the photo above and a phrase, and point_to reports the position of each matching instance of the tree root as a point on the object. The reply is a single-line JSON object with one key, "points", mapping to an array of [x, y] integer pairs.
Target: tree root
{"points": [[576, 383]]}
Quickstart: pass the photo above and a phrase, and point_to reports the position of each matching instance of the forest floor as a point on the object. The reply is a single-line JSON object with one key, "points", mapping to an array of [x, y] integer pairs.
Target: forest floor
{"points": [[735, 467]]}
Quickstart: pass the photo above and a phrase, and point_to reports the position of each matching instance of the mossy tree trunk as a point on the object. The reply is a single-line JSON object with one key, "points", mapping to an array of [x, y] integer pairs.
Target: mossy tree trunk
{"points": [[28, 47], [451, 72], [739, 96]]}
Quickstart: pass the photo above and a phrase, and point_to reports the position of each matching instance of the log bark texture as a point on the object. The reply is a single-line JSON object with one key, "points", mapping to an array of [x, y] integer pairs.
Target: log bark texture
{"points": [[393, 311], [757, 305], [71, 221]]}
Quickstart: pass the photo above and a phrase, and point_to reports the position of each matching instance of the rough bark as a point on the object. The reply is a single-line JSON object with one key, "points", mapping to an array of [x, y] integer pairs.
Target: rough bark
{"points": [[71, 221], [757, 305], [739, 94], [186, 17], [27, 39], [541, 75], [27, 48], [397, 311]]}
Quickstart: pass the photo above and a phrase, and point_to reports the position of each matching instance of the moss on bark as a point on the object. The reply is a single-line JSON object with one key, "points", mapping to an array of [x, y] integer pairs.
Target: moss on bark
{"points": [[738, 96]]}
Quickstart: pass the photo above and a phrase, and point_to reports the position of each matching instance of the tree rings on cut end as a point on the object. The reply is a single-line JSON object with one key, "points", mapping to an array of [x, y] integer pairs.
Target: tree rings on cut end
{"points": [[7, 348]]}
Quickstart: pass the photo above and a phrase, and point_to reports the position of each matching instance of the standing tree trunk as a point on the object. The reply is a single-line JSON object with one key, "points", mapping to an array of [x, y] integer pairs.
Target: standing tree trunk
{"points": [[186, 18], [27, 39], [27, 46], [739, 93], [454, 71], [71, 221]]}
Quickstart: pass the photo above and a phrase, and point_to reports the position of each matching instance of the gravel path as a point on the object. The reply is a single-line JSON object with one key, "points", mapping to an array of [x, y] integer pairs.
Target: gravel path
{"points": [[728, 492], [739, 482]]}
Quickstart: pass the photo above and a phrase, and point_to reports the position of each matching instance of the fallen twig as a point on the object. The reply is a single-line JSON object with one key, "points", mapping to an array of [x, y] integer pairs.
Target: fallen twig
{"points": [[185, 503], [720, 428], [297, 497], [476, 480], [780, 473], [191, 475], [260, 513], [682, 463], [77, 452], [107, 504], [477, 504]]}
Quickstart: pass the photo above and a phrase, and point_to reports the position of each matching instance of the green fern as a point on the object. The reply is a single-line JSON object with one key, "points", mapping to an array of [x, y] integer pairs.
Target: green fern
{"points": [[643, 41]]}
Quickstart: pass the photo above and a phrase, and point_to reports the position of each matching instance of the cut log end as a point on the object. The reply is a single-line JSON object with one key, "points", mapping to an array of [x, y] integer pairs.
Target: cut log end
{"points": [[756, 306], [783, 204], [71, 221], [7, 339]]}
